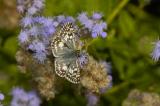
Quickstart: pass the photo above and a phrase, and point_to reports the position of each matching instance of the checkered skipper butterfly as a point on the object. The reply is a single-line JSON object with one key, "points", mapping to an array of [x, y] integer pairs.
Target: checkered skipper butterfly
{"points": [[65, 48]]}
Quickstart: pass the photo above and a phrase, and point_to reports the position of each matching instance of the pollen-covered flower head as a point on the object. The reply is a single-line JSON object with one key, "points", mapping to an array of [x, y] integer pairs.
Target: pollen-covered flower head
{"points": [[96, 76]]}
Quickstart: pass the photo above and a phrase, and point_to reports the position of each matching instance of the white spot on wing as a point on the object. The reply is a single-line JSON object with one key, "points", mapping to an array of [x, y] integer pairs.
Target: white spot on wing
{"points": [[64, 67], [61, 44]]}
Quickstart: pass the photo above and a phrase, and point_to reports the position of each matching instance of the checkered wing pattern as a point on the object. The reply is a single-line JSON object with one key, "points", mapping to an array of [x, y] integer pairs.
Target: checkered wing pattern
{"points": [[64, 45]]}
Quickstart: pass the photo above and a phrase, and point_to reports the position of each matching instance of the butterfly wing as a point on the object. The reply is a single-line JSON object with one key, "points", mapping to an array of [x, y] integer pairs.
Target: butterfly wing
{"points": [[61, 66], [59, 47], [73, 73], [64, 40], [67, 68]]}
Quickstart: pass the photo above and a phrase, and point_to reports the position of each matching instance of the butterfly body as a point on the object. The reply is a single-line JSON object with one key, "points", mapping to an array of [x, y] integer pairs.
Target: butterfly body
{"points": [[65, 49]]}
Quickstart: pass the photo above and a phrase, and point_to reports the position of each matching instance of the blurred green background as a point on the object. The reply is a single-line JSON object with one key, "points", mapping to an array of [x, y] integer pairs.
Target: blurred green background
{"points": [[132, 27]]}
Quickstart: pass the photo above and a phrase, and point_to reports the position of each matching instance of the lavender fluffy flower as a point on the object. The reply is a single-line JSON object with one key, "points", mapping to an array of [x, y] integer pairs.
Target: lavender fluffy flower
{"points": [[156, 52], [40, 56], [34, 31], [36, 35], [23, 37], [68, 19], [22, 98], [83, 18], [37, 46], [92, 99], [97, 16], [47, 26], [39, 20], [30, 7], [98, 30], [39, 49], [93, 24], [62, 19], [47, 21], [47, 31], [27, 21]]}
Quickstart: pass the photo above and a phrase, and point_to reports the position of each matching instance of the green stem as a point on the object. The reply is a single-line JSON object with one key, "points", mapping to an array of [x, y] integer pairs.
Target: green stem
{"points": [[90, 42], [116, 11], [118, 87], [121, 86]]}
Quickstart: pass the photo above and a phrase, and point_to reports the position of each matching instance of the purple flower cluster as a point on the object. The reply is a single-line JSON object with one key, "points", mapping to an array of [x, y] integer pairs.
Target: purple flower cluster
{"points": [[22, 98], [29, 7], [37, 31], [156, 52], [36, 34], [94, 24]]}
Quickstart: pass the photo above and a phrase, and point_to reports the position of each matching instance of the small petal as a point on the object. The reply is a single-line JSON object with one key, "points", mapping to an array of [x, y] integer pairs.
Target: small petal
{"points": [[60, 18], [98, 29], [48, 31], [103, 34], [88, 24], [32, 10], [94, 34], [71, 19], [82, 17], [97, 16], [55, 23], [34, 31], [39, 20], [38, 3], [40, 56], [48, 22], [37, 46], [27, 21], [23, 37]]}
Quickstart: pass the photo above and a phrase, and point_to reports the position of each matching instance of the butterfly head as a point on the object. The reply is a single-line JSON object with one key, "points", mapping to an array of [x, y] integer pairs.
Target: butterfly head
{"points": [[70, 27]]}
